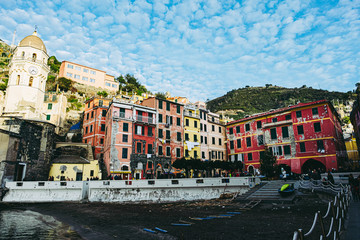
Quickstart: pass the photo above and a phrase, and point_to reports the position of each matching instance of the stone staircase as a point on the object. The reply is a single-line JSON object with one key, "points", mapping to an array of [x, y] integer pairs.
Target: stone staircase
{"points": [[269, 192]]}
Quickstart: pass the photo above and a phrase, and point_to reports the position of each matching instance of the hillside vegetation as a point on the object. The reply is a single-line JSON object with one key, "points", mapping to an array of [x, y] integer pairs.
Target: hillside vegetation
{"points": [[249, 100]]}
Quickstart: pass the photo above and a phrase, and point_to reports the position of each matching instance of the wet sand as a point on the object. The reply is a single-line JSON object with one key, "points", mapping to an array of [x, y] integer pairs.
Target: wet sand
{"points": [[127, 221]]}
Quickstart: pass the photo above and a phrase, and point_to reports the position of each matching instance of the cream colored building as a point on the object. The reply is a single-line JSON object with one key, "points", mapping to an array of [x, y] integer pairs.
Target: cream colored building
{"points": [[88, 76], [54, 108], [27, 79]]}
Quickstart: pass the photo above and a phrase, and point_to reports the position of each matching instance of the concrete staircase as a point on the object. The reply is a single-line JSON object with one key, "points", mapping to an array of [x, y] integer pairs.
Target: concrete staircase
{"points": [[269, 192]]}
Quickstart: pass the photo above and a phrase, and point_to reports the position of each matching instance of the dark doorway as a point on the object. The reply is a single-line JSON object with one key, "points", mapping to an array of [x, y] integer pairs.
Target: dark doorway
{"points": [[20, 171], [79, 176], [312, 164]]}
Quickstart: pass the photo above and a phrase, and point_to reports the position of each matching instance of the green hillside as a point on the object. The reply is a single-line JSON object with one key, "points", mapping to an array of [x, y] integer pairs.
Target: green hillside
{"points": [[249, 100]]}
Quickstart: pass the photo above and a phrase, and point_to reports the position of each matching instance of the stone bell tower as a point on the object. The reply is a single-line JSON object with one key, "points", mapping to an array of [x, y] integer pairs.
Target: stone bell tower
{"points": [[27, 79]]}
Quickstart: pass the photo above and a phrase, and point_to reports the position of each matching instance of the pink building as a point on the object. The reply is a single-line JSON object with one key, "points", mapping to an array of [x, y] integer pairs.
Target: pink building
{"points": [[88, 76]]}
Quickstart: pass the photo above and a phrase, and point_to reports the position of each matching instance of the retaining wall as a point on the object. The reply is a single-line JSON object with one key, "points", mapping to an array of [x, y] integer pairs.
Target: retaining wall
{"points": [[153, 190]]}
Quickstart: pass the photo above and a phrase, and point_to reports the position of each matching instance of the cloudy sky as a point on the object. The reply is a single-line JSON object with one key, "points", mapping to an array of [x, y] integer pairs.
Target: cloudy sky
{"points": [[199, 49]]}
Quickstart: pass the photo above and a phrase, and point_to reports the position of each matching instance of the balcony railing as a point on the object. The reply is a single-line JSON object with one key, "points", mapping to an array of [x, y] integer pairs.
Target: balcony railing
{"points": [[122, 115], [191, 114], [216, 120], [145, 119]]}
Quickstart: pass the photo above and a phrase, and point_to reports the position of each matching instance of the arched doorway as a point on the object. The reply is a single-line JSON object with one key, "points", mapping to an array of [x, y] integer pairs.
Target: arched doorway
{"points": [[251, 169], [312, 164]]}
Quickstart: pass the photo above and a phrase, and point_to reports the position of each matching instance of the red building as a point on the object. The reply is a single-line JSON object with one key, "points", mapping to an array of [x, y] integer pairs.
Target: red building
{"points": [[94, 124], [303, 137], [170, 129]]}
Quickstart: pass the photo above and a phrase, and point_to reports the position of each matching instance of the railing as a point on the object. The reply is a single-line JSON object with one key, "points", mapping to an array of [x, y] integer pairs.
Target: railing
{"points": [[31, 60], [145, 119], [336, 211], [191, 114]]}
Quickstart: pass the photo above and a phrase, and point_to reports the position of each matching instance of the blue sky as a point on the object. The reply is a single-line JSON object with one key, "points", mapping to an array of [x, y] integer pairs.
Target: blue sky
{"points": [[200, 49]]}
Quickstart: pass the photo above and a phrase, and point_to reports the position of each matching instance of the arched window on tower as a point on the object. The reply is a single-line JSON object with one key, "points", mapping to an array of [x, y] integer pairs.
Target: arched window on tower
{"points": [[31, 81], [34, 57], [18, 80], [23, 54]]}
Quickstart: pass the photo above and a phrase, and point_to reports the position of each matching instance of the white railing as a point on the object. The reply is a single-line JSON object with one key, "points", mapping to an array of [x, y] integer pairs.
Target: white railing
{"points": [[336, 211], [145, 119]]}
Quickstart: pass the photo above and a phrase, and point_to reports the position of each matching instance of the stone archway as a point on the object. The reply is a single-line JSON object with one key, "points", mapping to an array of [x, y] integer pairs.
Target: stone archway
{"points": [[312, 164]]}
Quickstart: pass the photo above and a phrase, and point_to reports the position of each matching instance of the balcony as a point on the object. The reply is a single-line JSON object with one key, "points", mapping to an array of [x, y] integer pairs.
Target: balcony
{"points": [[216, 120], [144, 119], [122, 115], [191, 114]]}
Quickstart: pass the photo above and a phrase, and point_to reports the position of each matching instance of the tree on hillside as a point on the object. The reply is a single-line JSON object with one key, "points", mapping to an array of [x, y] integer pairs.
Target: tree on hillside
{"points": [[102, 93], [54, 64], [268, 164], [65, 84], [4, 84], [160, 95]]}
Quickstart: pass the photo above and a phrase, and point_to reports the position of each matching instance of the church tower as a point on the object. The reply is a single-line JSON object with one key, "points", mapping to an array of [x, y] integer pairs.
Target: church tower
{"points": [[27, 79]]}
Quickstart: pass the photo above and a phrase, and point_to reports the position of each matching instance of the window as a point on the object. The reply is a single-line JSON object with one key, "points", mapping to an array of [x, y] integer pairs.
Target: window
{"points": [[287, 150], [186, 137], [114, 85], [178, 152], [178, 109], [258, 124], [250, 157], [298, 114], [273, 133], [138, 147], [302, 147], [231, 131], [178, 136], [288, 117], [92, 72], [124, 152], [150, 131], [92, 114], [125, 138], [220, 141], [300, 129], [178, 121], [285, 132], [247, 127], [102, 127], [76, 76], [160, 104], [139, 130], [92, 80], [205, 140], [320, 146], [213, 140], [91, 173], [219, 129], [205, 117], [91, 128], [168, 134], [101, 103], [317, 127], [248, 141], [237, 129], [238, 143], [160, 118], [48, 117], [122, 112], [160, 150], [260, 140], [161, 133], [205, 130], [202, 154], [186, 153], [167, 106], [107, 84], [231, 144], [262, 155], [315, 111], [195, 154], [69, 74], [50, 106], [201, 139], [103, 113], [168, 151], [34, 57], [18, 80], [88, 104], [31, 81], [186, 122], [195, 124], [125, 127], [150, 150], [86, 130], [85, 70], [70, 66], [274, 120]]}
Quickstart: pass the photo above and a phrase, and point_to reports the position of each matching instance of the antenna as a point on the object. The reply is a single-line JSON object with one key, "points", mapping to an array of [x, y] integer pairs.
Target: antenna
{"points": [[13, 40]]}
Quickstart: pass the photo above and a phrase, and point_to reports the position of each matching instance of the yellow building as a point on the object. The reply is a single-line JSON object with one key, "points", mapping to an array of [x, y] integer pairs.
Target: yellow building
{"points": [[352, 151], [74, 162], [191, 132]]}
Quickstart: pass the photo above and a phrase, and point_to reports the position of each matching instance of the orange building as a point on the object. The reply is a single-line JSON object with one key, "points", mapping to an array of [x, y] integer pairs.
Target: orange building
{"points": [[88, 76], [94, 124]]}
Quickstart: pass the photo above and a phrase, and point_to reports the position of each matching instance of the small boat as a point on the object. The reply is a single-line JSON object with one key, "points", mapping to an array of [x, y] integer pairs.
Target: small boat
{"points": [[286, 190]]}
